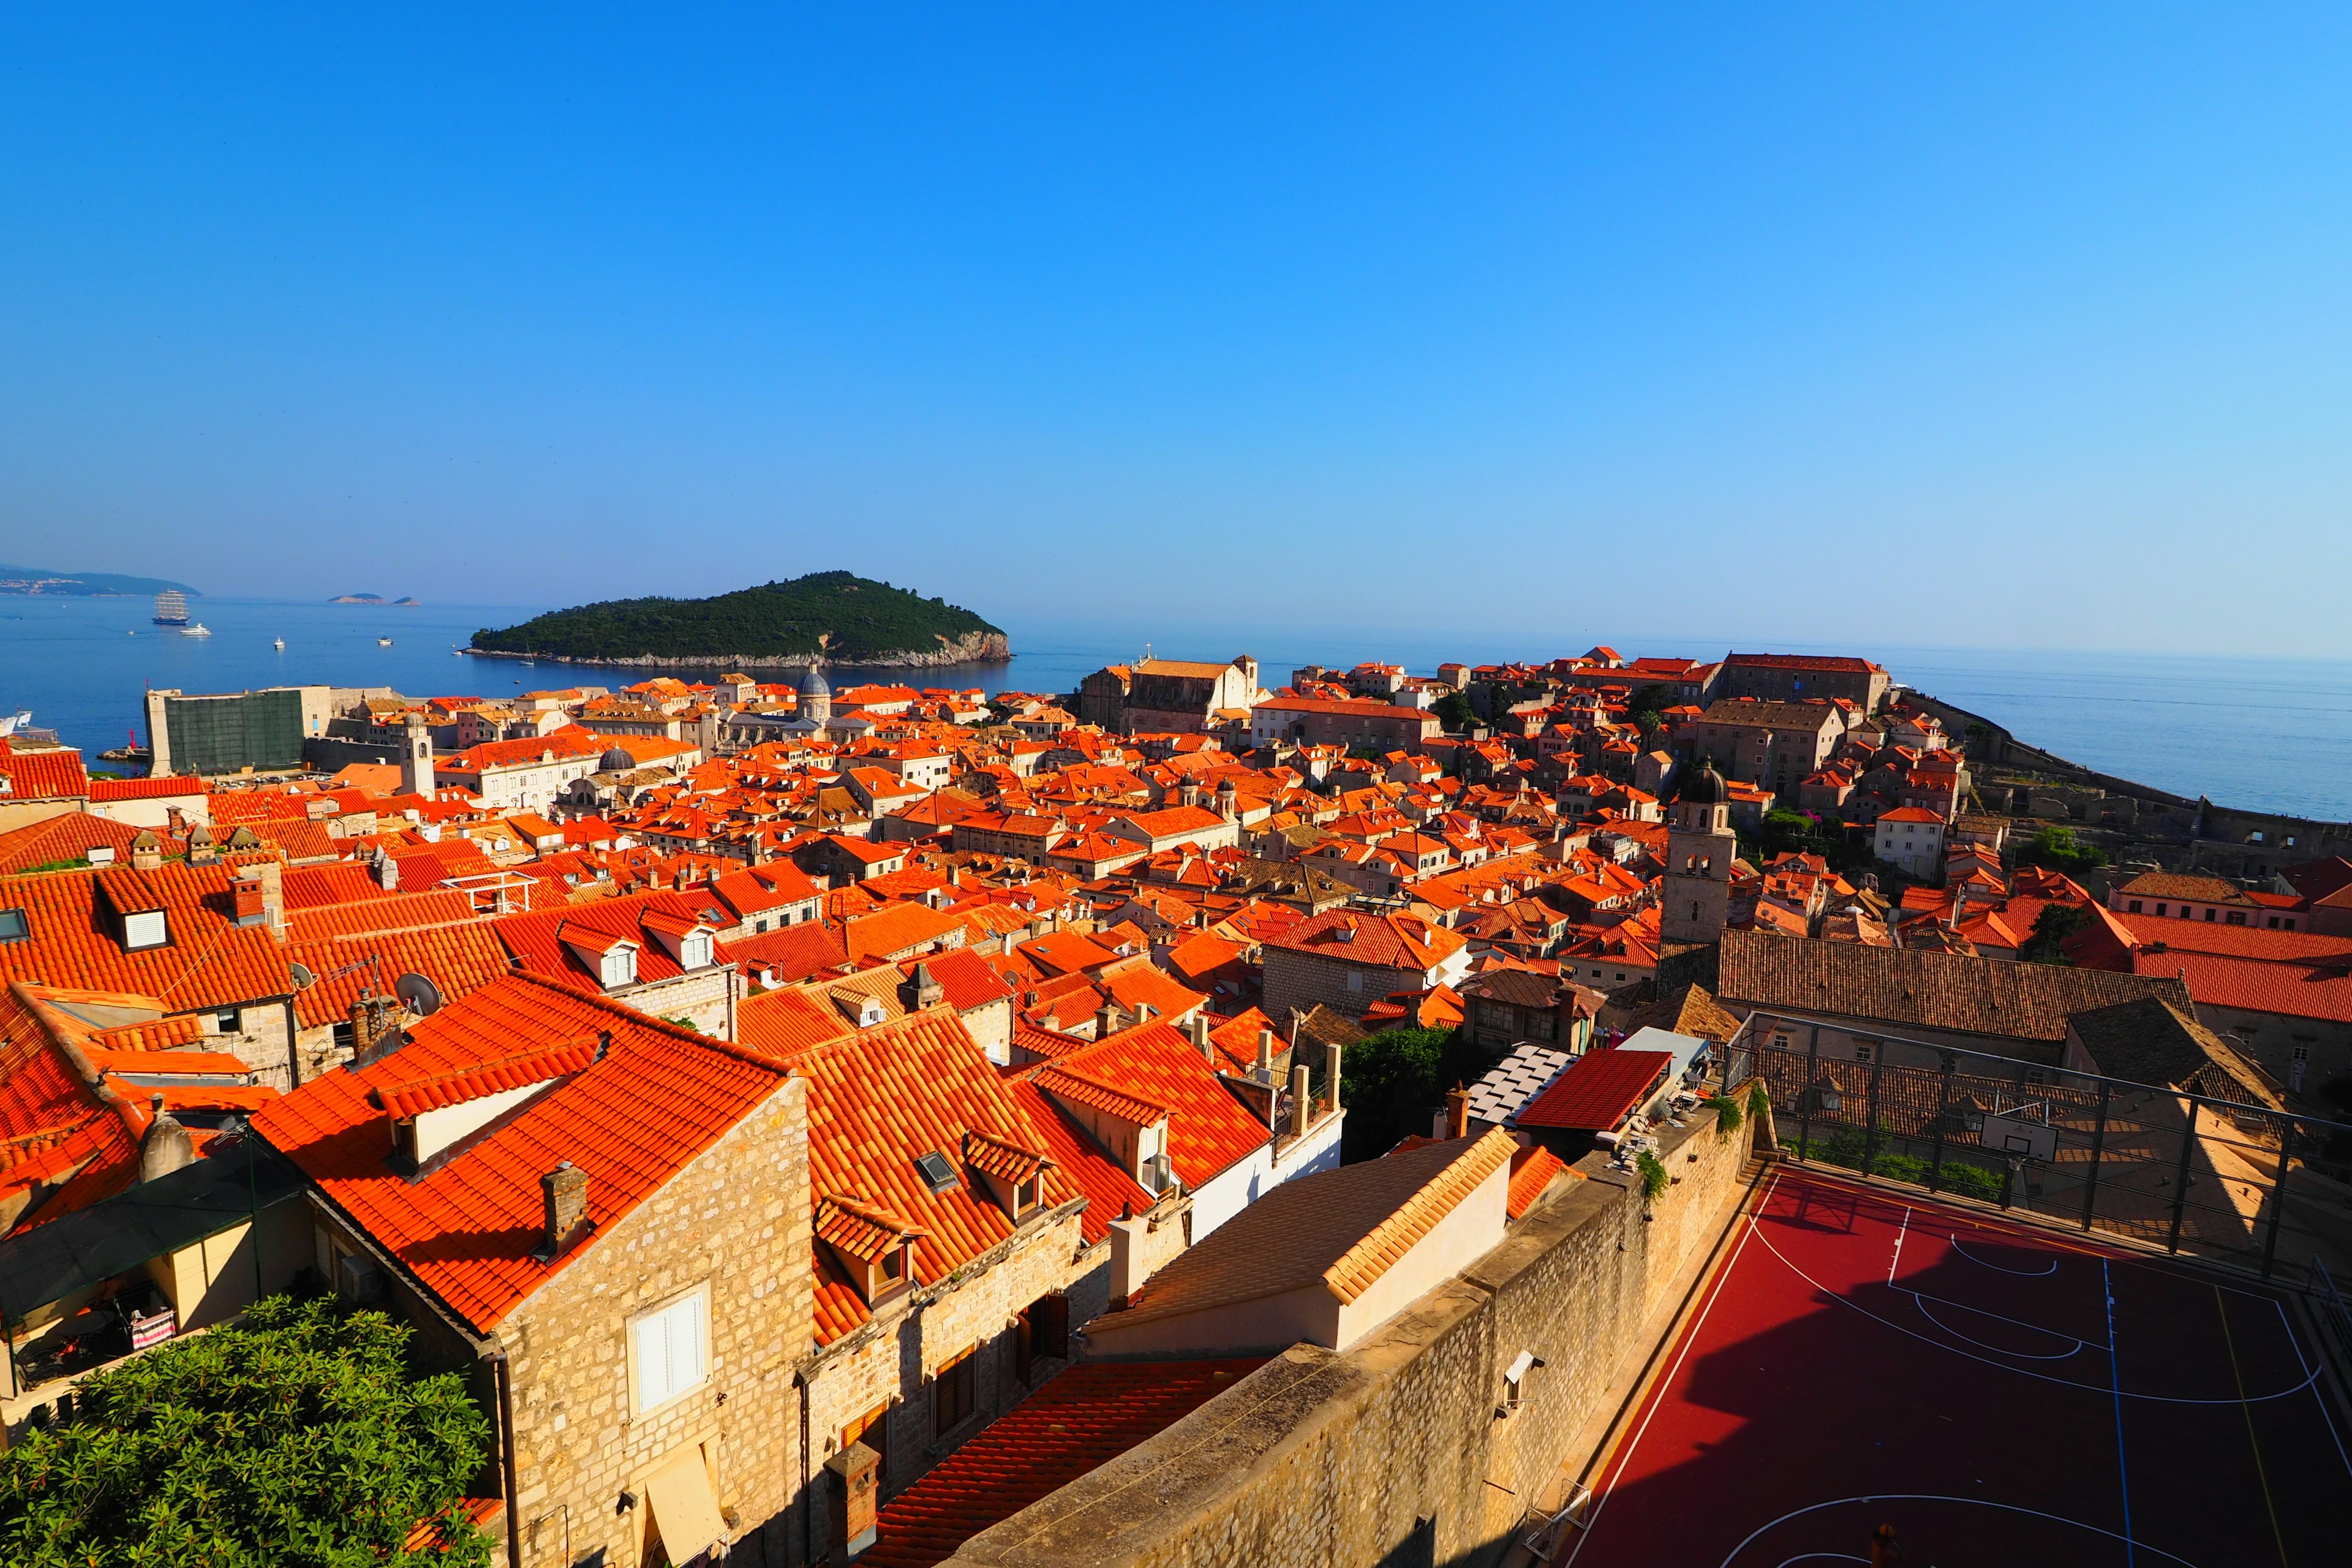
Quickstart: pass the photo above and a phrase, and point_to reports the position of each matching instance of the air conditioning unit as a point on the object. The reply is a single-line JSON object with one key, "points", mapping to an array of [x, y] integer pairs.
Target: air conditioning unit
{"points": [[358, 1281]]}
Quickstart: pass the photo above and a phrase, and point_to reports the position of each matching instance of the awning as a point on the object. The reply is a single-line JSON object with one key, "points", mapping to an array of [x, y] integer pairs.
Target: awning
{"points": [[686, 1510], [115, 1235]]}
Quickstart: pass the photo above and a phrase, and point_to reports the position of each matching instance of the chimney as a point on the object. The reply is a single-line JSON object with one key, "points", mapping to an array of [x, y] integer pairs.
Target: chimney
{"points": [[1457, 1113], [566, 1190], [920, 991], [147, 852], [1299, 1103], [260, 893], [1106, 1021], [1201, 1037], [1331, 1073], [165, 1147], [1127, 1273], [387, 871], [1265, 1071], [368, 1018], [1143, 1012]]}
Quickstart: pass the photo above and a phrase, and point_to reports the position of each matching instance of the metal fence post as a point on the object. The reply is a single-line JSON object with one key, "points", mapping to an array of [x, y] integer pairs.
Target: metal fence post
{"points": [[2180, 1177], [2098, 1144], [1870, 1138], [1943, 1109], [2278, 1194], [1805, 1098]]}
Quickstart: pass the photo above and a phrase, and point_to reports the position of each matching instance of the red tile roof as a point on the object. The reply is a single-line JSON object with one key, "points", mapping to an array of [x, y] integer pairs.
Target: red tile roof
{"points": [[162, 786], [1073, 1424], [209, 962], [880, 1098], [793, 952], [1209, 1129], [1597, 1091], [1397, 941], [41, 775], [67, 837], [536, 1064], [468, 1228], [1532, 1171], [69, 1135], [458, 959]]}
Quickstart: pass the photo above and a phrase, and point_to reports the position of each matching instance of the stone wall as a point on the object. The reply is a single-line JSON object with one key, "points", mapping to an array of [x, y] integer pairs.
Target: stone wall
{"points": [[1299, 979], [1394, 1452], [737, 1219]]}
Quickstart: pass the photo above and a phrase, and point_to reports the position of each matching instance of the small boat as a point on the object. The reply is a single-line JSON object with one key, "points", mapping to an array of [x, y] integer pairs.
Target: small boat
{"points": [[277, 643], [384, 642], [198, 630]]}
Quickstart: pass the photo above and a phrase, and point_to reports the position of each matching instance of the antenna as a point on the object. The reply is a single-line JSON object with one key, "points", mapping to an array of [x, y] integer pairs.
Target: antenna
{"points": [[303, 978], [421, 996]]}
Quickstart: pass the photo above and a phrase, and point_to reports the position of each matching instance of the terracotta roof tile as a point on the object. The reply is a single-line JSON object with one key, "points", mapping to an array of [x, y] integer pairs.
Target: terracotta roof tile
{"points": [[467, 1229], [1075, 1422]]}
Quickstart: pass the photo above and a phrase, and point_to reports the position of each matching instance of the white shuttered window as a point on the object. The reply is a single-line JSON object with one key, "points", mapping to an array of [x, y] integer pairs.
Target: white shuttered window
{"points": [[670, 1348]]}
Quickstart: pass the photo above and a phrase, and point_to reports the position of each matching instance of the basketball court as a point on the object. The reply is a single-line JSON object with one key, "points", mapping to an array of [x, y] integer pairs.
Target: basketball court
{"points": [[1999, 1394]]}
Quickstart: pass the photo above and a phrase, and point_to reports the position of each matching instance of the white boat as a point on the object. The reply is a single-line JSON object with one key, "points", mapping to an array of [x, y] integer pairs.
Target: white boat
{"points": [[384, 642], [198, 630], [277, 643]]}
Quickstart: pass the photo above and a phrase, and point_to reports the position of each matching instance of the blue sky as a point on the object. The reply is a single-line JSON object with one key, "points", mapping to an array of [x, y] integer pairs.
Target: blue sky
{"points": [[1984, 326]]}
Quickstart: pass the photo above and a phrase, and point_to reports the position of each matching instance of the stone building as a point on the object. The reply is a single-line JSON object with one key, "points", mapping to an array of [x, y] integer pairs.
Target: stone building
{"points": [[1694, 897], [1773, 745], [604, 1220], [1349, 959], [1803, 678], [1165, 695], [1349, 723]]}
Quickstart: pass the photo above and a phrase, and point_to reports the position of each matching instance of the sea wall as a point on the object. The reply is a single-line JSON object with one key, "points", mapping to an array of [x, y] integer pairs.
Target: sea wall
{"points": [[1399, 1451], [2216, 837], [973, 647]]}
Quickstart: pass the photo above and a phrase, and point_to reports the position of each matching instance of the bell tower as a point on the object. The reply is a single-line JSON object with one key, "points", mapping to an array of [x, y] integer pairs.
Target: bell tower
{"points": [[1695, 899], [415, 757]]}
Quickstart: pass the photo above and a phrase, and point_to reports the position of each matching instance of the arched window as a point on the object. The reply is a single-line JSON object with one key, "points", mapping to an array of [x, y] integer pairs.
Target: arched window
{"points": [[1694, 914]]}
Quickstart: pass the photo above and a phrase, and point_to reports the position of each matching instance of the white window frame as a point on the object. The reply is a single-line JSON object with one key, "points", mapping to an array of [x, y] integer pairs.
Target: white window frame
{"points": [[647, 1395]]}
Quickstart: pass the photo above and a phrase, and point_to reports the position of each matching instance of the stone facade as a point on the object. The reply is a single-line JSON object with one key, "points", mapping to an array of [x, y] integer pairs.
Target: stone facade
{"points": [[736, 1222], [892, 1360], [1393, 1452], [1296, 981]]}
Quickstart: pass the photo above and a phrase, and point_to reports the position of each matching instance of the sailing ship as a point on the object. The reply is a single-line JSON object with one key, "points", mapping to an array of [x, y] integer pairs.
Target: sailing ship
{"points": [[171, 608]]}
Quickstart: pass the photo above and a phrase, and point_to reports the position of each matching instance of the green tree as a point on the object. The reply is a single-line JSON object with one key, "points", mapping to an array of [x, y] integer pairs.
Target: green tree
{"points": [[1648, 702], [1454, 711], [297, 1436], [2054, 847], [1391, 1083], [2052, 927]]}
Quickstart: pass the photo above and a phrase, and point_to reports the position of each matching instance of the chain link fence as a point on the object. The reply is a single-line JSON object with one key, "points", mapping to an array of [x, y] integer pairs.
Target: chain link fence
{"points": [[2266, 1191]]}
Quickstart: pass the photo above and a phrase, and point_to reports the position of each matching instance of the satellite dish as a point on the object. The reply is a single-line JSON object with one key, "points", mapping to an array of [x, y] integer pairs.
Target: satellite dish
{"points": [[420, 994], [303, 978]]}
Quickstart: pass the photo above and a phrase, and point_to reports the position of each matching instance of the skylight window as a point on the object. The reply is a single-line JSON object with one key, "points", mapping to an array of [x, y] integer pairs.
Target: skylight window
{"points": [[14, 926], [937, 1173]]}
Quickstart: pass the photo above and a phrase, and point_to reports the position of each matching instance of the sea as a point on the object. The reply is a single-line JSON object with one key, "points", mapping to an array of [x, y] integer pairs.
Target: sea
{"points": [[2256, 733]]}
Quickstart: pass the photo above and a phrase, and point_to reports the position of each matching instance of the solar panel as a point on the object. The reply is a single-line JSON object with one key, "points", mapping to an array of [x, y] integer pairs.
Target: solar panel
{"points": [[937, 1173]]}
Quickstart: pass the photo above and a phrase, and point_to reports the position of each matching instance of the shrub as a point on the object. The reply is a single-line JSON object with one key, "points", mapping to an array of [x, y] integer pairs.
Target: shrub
{"points": [[297, 1436], [1654, 1179], [1726, 1114]]}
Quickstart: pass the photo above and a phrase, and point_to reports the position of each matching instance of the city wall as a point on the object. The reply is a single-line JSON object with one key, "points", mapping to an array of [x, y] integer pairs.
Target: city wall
{"points": [[1399, 1451]]}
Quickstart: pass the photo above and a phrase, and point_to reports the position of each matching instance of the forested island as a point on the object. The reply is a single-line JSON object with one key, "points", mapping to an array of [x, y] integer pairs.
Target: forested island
{"points": [[824, 617]]}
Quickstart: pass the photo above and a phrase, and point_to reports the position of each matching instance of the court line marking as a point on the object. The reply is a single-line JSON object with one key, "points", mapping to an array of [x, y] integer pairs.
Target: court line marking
{"points": [[2311, 1377], [2048, 1267], [1894, 1262], [2115, 1372], [2261, 1472], [1618, 1460], [1934, 1497], [2295, 1341], [2047, 1240], [2080, 1345]]}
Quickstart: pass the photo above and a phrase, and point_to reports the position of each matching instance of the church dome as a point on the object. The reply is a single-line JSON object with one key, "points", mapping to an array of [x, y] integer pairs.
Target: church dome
{"points": [[813, 683], [1704, 787]]}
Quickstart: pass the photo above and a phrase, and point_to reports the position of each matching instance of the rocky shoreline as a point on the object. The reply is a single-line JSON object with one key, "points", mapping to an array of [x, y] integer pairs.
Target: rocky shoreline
{"points": [[973, 647]]}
